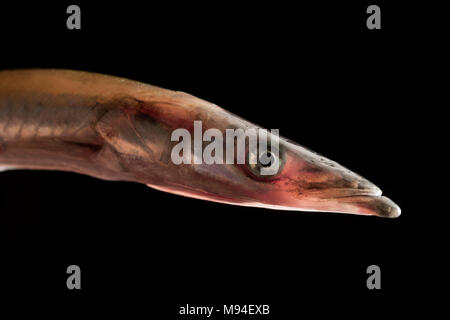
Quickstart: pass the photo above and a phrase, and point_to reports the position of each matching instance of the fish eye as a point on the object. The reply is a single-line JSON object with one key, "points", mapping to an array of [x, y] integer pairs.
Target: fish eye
{"points": [[266, 164]]}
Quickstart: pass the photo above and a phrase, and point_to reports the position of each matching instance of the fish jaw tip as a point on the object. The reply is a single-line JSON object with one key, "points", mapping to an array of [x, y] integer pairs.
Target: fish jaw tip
{"points": [[388, 209]]}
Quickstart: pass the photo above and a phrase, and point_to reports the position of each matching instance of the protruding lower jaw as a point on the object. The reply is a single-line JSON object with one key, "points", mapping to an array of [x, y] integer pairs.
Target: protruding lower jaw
{"points": [[364, 201], [379, 206], [369, 205]]}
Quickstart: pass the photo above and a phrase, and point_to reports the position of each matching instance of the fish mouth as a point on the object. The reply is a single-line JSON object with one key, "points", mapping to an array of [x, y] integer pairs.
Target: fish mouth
{"points": [[376, 205], [358, 196], [360, 202], [367, 199]]}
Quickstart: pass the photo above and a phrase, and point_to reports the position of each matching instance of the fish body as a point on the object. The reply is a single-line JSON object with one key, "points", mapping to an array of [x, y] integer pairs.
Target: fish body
{"points": [[117, 129]]}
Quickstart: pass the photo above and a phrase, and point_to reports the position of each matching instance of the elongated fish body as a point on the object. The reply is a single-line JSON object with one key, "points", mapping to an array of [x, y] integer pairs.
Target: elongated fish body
{"points": [[118, 129]]}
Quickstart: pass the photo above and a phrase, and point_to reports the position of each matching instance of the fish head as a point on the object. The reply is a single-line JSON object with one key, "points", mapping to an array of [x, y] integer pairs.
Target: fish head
{"points": [[290, 178], [307, 181], [294, 177]]}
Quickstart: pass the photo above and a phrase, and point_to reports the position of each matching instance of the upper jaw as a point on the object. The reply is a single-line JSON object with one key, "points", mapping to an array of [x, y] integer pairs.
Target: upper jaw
{"points": [[338, 193]]}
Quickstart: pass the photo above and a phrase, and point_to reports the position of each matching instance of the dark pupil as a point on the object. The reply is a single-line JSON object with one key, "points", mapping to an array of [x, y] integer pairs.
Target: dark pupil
{"points": [[269, 163]]}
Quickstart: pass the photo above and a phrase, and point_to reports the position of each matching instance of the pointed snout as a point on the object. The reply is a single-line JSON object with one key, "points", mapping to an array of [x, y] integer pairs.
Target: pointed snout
{"points": [[319, 184], [355, 194]]}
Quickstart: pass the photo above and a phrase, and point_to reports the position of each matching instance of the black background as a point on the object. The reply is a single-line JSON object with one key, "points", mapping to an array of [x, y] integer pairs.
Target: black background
{"points": [[313, 71]]}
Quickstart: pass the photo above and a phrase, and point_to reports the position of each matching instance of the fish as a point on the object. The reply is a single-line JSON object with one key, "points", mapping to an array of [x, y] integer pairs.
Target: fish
{"points": [[122, 130]]}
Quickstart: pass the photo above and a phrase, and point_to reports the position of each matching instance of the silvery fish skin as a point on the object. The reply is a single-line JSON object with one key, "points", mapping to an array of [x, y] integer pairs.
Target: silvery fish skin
{"points": [[117, 129]]}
